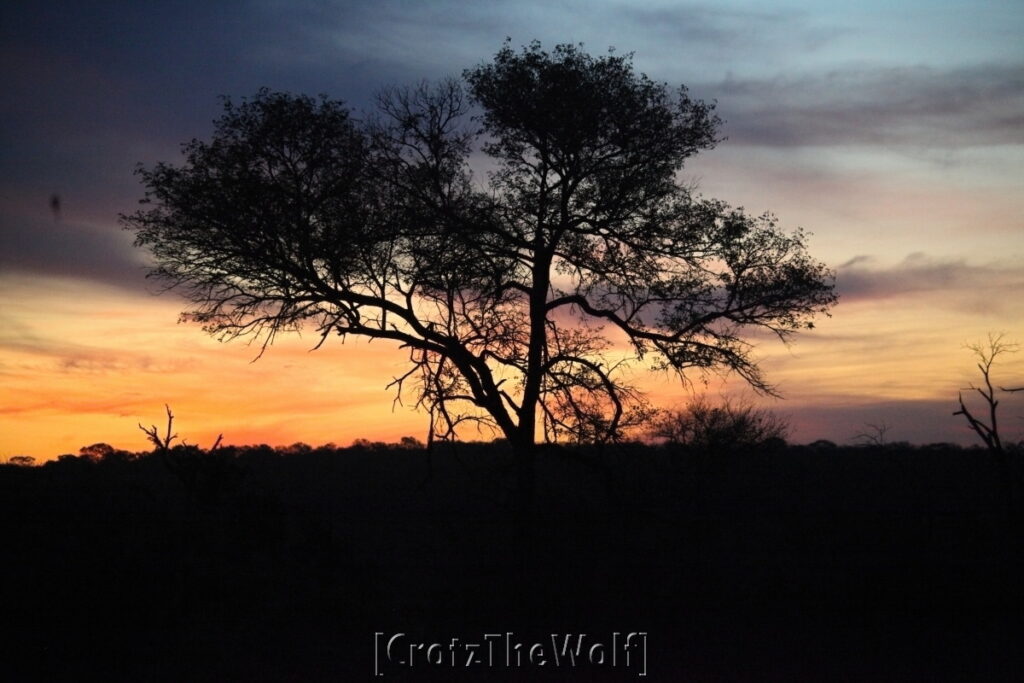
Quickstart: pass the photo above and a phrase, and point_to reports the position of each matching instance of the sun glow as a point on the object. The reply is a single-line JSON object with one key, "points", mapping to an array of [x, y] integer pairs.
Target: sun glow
{"points": [[84, 363]]}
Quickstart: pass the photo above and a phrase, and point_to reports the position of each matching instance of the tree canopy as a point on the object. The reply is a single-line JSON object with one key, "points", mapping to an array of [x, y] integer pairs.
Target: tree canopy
{"points": [[520, 292]]}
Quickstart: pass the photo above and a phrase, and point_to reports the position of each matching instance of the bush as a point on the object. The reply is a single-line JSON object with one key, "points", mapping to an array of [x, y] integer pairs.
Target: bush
{"points": [[729, 425]]}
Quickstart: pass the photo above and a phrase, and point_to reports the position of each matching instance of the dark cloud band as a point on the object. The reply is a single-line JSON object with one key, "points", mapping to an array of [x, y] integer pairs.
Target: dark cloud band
{"points": [[981, 288], [911, 106]]}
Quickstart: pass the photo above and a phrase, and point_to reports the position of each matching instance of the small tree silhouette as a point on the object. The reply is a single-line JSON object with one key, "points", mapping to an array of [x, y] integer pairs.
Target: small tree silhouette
{"points": [[873, 435], [730, 424], [206, 476], [161, 443], [988, 431], [986, 355]]}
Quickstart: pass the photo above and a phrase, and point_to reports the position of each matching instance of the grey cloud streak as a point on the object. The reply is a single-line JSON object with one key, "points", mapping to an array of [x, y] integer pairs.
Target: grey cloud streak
{"points": [[981, 288], [728, 31], [917, 106], [61, 249]]}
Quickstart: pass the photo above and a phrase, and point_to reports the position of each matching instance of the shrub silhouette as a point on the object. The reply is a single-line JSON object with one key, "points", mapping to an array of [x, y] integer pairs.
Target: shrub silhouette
{"points": [[728, 425], [208, 476]]}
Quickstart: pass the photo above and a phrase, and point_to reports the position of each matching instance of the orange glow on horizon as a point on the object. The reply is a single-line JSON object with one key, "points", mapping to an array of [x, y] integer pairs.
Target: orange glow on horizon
{"points": [[83, 364]]}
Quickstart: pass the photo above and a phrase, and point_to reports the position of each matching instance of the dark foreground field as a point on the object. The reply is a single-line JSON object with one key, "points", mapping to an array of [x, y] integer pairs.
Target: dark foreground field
{"points": [[825, 564]]}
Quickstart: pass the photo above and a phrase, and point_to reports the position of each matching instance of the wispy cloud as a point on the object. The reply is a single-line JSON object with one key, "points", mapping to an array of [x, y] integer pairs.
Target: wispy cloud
{"points": [[980, 288], [914, 106], [49, 247], [728, 31]]}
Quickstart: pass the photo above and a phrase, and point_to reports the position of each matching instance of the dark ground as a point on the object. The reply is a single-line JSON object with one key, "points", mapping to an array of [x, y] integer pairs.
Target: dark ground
{"points": [[794, 564]]}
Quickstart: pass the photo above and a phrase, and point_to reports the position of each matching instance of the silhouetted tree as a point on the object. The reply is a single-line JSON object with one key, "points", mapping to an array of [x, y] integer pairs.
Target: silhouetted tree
{"points": [[986, 354], [97, 452], [206, 475], [297, 215], [700, 424], [410, 443], [987, 427], [873, 434], [162, 444]]}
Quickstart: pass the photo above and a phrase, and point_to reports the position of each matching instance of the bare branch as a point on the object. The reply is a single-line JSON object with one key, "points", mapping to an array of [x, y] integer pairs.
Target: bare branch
{"points": [[876, 435], [986, 353], [161, 443]]}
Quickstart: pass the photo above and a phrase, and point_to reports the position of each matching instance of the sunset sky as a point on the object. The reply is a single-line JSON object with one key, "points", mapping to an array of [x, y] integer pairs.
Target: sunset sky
{"points": [[894, 132]]}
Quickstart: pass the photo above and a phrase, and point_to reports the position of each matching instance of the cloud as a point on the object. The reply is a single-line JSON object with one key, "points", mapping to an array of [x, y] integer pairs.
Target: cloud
{"points": [[390, 41], [719, 26], [721, 30], [976, 288], [913, 106], [31, 351], [55, 248]]}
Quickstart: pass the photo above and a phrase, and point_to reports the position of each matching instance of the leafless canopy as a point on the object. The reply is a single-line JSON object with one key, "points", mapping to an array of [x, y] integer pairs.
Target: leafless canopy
{"points": [[986, 355], [520, 296], [162, 444], [729, 424]]}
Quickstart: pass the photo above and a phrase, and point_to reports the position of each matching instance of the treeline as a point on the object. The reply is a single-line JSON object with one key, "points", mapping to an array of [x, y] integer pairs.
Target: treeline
{"points": [[259, 563], [105, 453]]}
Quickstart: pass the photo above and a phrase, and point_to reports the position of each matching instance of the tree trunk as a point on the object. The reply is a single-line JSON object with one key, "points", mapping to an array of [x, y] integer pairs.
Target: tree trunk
{"points": [[524, 450], [523, 542], [526, 479], [524, 441]]}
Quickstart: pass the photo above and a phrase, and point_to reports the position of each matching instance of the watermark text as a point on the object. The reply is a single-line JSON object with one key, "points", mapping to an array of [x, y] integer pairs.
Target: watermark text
{"points": [[626, 650]]}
